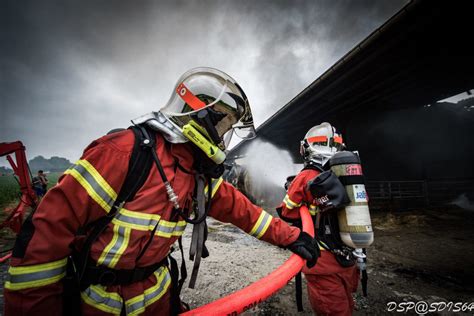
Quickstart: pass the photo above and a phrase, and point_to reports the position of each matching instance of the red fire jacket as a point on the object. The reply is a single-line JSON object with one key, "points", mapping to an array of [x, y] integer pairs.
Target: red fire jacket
{"points": [[85, 193], [298, 194]]}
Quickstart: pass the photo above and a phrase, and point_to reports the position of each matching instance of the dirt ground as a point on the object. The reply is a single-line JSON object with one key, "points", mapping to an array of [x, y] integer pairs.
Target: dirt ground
{"points": [[417, 256]]}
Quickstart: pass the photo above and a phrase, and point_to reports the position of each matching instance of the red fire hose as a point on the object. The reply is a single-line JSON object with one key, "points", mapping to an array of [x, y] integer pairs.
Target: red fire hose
{"points": [[6, 257], [259, 291]]}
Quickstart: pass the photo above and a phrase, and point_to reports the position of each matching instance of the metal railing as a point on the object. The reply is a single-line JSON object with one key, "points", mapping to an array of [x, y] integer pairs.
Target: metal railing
{"points": [[418, 193]]}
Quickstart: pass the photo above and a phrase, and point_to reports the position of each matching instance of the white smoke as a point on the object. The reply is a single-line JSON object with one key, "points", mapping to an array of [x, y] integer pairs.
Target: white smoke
{"points": [[268, 167], [463, 202]]}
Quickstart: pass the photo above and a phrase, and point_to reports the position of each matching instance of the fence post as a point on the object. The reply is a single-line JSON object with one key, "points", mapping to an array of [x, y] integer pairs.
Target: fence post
{"points": [[390, 194], [426, 193]]}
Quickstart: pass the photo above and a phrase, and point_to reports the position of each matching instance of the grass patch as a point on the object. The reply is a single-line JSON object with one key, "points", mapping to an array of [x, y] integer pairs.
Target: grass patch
{"points": [[10, 189]]}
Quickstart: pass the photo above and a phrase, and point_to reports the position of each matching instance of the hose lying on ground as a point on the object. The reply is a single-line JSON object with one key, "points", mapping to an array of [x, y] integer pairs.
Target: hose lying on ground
{"points": [[259, 291]]}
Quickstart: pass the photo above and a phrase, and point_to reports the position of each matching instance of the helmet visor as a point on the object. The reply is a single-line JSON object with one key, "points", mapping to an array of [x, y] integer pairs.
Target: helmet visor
{"points": [[325, 143], [208, 88]]}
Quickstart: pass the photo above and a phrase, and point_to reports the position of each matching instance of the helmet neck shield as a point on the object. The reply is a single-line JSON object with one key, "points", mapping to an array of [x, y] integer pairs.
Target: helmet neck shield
{"points": [[157, 121]]}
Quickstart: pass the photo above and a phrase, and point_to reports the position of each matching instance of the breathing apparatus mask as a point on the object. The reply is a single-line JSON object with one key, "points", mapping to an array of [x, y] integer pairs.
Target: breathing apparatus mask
{"points": [[206, 107]]}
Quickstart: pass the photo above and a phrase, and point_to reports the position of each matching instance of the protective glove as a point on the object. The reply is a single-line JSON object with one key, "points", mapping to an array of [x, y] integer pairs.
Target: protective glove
{"points": [[306, 247]]}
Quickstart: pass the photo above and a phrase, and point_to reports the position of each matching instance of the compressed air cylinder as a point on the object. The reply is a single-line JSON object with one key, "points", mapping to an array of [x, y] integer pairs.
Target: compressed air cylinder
{"points": [[355, 226]]}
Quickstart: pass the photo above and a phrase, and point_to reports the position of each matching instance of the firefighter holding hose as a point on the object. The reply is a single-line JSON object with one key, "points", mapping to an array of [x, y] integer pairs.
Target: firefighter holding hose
{"points": [[332, 281], [104, 232]]}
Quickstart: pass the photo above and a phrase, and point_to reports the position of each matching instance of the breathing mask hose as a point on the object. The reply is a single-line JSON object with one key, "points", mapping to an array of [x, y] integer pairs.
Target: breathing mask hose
{"points": [[173, 198]]}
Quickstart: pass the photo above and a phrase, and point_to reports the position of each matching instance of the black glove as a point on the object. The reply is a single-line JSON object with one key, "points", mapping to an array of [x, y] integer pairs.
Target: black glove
{"points": [[306, 247]]}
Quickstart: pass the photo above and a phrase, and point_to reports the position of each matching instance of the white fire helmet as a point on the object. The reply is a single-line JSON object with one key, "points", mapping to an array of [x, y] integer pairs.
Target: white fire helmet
{"points": [[214, 101], [320, 143]]}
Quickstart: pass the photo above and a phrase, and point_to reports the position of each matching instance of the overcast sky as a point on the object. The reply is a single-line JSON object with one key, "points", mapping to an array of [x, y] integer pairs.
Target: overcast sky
{"points": [[72, 70]]}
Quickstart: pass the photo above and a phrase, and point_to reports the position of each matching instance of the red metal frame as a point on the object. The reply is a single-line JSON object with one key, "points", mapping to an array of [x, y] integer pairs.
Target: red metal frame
{"points": [[28, 197]]}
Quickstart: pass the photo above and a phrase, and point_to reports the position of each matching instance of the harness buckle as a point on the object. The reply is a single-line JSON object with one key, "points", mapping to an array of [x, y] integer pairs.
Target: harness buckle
{"points": [[107, 277]]}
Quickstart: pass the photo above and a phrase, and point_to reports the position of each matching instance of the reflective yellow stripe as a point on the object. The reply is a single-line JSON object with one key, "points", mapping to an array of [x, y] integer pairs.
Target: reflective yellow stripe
{"points": [[94, 184], [122, 248], [145, 222], [138, 304], [112, 252], [289, 203], [38, 267], [110, 245], [104, 184], [320, 243], [168, 229], [216, 183], [136, 220], [313, 209], [79, 178], [97, 297], [32, 276], [262, 224]]}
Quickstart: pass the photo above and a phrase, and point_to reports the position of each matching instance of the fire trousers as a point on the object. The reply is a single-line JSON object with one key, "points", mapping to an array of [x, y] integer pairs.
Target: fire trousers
{"points": [[330, 286]]}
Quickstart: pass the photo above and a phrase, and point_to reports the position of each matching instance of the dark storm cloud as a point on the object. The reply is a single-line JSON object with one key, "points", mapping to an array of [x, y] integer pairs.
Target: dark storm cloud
{"points": [[299, 40], [71, 70]]}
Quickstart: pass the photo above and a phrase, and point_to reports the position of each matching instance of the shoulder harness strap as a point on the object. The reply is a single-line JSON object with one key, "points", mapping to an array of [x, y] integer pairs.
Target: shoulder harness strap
{"points": [[139, 167]]}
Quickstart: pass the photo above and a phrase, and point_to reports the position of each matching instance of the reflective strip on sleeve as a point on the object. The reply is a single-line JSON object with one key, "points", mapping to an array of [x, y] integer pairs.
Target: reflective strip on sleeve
{"points": [[95, 185], [97, 297], [322, 245], [143, 221], [98, 178], [215, 184], [116, 247], [261, 225], [289, 203], [138, 304], [20, 278]]}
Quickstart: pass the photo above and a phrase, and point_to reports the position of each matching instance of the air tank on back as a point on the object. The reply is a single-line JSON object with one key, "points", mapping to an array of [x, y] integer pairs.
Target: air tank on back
{"points": [[355, 225]]}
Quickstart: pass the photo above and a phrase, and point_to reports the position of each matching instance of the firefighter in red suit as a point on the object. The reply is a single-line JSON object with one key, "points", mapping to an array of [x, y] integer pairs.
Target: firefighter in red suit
{"points": [[206, 102], [332, 281]]}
